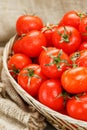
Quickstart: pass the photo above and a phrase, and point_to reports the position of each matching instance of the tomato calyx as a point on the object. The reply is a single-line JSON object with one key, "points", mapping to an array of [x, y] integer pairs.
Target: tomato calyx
{"points": [[45, 48], [59, 95], [30, 73], [21, 37], [65, 96], [81, 14], [74, 57], [77, 96], [56, 60], [64, 36], [48, 27], [14, 70]]}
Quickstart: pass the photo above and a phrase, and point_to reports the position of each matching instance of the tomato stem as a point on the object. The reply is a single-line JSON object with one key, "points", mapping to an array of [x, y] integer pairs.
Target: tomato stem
{"points": [[74, 57], [57, 60], [65, 36], [81, 14], [48, 27], [30, 73], [14, 70], [45, 48]]}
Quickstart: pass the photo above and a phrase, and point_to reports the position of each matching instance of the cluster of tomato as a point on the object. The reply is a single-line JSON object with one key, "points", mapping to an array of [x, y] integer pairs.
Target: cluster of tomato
{"points": [[50, 62]]}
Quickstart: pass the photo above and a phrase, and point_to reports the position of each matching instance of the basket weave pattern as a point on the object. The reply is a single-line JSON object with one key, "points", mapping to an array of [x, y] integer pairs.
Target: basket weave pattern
{"points": [[58, 120]]}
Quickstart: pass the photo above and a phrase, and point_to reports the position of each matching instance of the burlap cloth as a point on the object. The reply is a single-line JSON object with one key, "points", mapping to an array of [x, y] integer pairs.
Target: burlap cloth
{"points": [[49, 10], [15, 114]]}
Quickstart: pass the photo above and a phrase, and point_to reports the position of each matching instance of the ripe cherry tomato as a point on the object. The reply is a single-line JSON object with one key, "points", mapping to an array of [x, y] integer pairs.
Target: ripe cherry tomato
{"points": [[27, 23], [67, 38], [48, 31], [83, 46], [74, 80], [50, 94], [72, 18], [30, 79], [17, 62], [31, 44], [16, 48], [77, 107], [83, 28], [53, 62], [79, 58]]}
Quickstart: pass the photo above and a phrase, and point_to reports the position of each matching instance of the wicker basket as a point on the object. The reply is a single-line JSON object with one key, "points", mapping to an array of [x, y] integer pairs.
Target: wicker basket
{"points": [[58, 120]]}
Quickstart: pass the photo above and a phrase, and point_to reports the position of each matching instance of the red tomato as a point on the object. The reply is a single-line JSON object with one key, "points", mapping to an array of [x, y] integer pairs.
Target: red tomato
{"points": [[63, 111], [16, 48], [83, 46], [75, 80], [77, 107], [31, 44], [72, 18], [67, 38], [50, 94], [26, 23], [17, 62], [83, 28], [48, 31], [79, 58], [30, 79], [53, 62]]}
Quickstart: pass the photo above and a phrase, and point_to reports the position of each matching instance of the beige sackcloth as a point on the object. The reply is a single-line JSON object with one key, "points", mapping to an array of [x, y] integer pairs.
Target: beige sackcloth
{"points": [[15, 114]]}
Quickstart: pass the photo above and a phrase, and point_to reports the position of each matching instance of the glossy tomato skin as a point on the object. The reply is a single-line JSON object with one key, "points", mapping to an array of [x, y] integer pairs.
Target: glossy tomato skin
{"points": [[31, 44], [83, 46], [67, 38], [77, 107], [17, 62], [72, 18], [53, 62], [79, 58], [48, 31], [30, 79], [16, 48], [27, 23], [74, 80], [83, 29], [50, 94]]}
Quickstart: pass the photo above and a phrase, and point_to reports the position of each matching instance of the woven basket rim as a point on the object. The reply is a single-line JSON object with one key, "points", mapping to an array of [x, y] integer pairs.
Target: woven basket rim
{"points": [[18, 88]]}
